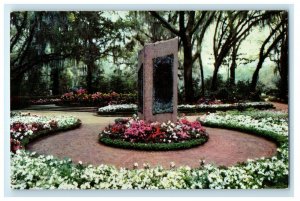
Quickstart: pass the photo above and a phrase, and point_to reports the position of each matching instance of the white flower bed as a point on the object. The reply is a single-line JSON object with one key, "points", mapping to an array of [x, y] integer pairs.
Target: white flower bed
{"points": [[121, 107], [29, 124], [45, 172], [279, 126], [133, 107], [225, 105], [29, 119], [214, 106]]}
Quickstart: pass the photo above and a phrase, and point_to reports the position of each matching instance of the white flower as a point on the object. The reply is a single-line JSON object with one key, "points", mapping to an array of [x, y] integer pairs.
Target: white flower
{"points": [[146, 165], [135, 165], [172, 165]]}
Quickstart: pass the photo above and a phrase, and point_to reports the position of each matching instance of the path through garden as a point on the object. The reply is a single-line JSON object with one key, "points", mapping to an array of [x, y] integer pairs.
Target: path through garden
{"points": [[225, 147]]}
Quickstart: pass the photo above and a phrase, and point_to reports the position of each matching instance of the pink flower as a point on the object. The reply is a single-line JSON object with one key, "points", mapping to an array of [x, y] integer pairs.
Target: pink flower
{"points": [[183, 134], [81, 91], [196, 125]]}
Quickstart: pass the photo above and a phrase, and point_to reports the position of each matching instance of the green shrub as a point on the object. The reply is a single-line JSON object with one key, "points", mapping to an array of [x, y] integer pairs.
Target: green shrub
{"points": [[152, 146]]}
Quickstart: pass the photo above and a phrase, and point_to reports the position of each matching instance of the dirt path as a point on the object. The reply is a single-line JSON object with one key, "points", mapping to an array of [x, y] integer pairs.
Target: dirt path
{"points": [[224, 147]]}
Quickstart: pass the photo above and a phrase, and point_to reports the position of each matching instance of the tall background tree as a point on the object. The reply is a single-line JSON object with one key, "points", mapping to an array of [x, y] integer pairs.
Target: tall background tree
{"points": [[188, 23], [37, 38], [278, 38], [50, 39], [231, 28], [98, 50]]}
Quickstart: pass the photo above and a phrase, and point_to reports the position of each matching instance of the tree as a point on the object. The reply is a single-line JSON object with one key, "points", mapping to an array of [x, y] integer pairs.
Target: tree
{"points": [[284, 61], [200, 37], [234, 56], [37, 38], [98, 37], [231, 27], [41, 39], [277, 34], [148, 29], [188, 22]]}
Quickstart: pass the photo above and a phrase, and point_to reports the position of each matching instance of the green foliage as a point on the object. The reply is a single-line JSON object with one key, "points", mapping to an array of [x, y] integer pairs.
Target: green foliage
{"points": [[256, 114], [240, 92], [121, 83], [153, 146], [59, 51], [53, 40]]}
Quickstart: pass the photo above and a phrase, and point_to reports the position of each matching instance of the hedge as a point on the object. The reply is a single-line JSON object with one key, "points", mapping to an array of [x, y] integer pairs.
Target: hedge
{"points": [[152, 146]]}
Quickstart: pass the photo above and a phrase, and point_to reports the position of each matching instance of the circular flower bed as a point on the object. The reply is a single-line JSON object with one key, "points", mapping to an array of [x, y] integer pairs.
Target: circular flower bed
{"points": [[133, 133]]}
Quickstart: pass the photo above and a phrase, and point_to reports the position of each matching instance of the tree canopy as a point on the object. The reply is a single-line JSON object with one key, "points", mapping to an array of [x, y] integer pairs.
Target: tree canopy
{"points": [[59, 51]]}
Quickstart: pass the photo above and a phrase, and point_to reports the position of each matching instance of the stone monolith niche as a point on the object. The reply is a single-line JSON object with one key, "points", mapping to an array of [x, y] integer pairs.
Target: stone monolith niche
{"points": [[157, 81]]}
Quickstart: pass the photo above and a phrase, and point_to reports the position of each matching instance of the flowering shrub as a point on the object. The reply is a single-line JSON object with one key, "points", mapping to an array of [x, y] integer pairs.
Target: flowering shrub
{"points": [[15, 145], [24, 127], [132, 108], [81, 97], [137, 131], [45, 101]]}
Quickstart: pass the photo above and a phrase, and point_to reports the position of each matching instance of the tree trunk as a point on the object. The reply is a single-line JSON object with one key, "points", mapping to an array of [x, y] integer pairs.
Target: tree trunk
{"points": [[15, 85], [16, 101], [263, 56], [255, 75], [55, 80], [202, 76], [185, 33], [188, 71], [233, 66], [89, 77], [284, 71], [215, 76]]}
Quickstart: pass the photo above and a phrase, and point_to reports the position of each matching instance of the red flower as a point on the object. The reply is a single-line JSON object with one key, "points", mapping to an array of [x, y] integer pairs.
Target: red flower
{"points": [[15, 145]]}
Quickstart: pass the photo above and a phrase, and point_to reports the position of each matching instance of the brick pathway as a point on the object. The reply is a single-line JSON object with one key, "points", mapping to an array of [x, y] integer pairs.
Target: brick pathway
{"points": [[224, 147], [280, 106]]}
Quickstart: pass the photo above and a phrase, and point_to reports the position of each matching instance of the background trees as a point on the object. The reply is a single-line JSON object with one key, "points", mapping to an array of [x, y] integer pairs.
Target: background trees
{"points": [[277, 39], [31, 36], [60, 51], [51, 39], [189, 22]]}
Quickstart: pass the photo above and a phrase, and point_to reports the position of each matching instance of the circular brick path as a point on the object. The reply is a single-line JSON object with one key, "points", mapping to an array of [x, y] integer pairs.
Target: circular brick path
{"points": [[224, 147]]}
